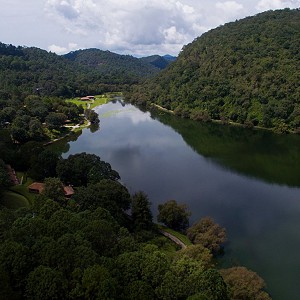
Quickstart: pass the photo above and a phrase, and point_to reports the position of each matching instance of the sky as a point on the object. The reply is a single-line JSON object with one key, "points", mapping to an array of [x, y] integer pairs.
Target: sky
{"points": [[134, 27]]}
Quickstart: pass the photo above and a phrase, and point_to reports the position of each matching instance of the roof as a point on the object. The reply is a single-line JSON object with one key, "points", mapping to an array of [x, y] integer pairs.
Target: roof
{"points": [[68, 190], [84, 98], [37, 186]]}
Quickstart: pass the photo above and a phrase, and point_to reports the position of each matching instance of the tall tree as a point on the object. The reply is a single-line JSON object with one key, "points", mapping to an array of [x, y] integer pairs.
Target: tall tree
{"points": [[140, 211], [174, 215]]}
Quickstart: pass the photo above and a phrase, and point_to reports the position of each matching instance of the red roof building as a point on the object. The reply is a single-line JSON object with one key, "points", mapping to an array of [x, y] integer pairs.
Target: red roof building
{"points": [[38, 187]]}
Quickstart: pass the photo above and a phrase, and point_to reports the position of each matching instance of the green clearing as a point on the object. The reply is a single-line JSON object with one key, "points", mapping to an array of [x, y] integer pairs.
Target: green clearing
{"points": [[99, 100], [177, 234], [18, 195], [14, 200]]}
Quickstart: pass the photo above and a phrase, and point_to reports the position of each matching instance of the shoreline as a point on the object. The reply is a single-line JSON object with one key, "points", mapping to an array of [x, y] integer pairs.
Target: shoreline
{"points": [[231, 123]]}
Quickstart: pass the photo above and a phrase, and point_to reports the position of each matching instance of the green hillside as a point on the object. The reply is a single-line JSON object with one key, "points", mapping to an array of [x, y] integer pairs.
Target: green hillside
{"points": [[246, 72], [112, 64], [25, 71], [156, 60]]}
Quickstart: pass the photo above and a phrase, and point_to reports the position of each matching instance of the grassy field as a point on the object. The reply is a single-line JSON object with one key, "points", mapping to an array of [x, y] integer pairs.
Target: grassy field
{"points": [[14, 200], [18, 195], [177, 234], [99, 100]]}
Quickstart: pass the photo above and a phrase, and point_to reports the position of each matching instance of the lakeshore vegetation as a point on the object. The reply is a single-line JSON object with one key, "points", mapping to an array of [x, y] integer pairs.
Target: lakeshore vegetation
{"points": [[244, 72]]}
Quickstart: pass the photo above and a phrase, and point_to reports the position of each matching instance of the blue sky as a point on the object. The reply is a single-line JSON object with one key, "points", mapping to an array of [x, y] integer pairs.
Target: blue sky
{"points": [[136, 27]]}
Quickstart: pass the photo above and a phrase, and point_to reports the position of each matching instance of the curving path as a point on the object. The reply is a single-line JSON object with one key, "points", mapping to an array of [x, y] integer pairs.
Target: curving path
{"points": [[174, 239]]}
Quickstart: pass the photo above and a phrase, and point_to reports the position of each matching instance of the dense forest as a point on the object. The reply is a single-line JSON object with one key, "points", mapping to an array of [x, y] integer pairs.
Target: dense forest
{"points": [[93, 247], [158, 61], [26, 71], [246, 72]]}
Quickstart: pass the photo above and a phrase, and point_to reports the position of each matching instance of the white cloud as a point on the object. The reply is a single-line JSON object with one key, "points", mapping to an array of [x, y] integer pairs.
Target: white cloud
{"points": [[128, 24], [62, 50], [263, 5], [138, 27], [229, 7]]}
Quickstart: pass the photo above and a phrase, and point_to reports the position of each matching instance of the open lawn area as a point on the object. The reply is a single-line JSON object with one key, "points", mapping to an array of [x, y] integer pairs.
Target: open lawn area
{"points": [[99, 100], [18, 195], [14, 200]]}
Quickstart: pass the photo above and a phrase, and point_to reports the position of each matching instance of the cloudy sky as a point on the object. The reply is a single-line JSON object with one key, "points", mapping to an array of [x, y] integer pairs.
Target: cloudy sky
{"points": [[136, 27]]}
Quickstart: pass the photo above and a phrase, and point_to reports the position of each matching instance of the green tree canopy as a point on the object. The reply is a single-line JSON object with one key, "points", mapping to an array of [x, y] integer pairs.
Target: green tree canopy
{"points": [[246, 71], [244, 284], [173, 215], [83, 168], [141, 212], [207, 233]]}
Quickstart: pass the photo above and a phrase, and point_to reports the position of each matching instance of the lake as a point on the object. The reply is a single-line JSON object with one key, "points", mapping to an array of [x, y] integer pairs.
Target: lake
{"points": [[247, 180]]}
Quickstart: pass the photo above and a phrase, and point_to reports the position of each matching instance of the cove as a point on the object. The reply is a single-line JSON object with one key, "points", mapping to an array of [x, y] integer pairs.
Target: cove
{"points": [[248, 181]]}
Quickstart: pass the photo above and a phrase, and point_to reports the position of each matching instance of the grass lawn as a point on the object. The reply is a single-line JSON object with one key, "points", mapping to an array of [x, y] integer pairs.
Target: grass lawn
{"points": [[177, 234], [99, 100], [14, 200], [18, 195]]}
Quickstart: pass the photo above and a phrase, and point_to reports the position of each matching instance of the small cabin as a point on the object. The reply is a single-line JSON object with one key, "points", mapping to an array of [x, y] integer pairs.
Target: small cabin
{"points": [[38, 187], [85, 99]]}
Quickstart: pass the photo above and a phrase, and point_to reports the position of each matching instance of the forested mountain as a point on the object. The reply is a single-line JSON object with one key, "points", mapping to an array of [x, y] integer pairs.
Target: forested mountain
{"points": [[246, 71], [112, 64], [158, 61], [169, 57], [25, 71]]}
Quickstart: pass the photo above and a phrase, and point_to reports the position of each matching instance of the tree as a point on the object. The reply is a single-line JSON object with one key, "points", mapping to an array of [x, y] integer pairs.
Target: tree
{"points": [[173, 215], [36, 131], [46, 283], [19, 134], [207, 233], [139, 290], [198, 253], [54, 188], [55, 120], [98, 283], [44, 165], [140, 211], [83, 168], [92, 116], [107, 194], [244, 284]]}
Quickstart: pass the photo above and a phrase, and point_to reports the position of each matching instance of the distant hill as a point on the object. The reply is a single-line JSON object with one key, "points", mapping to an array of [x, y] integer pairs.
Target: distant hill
{"points": [[107, 62], [158, 61], [246, 71], [169, 57], [24, 70]]}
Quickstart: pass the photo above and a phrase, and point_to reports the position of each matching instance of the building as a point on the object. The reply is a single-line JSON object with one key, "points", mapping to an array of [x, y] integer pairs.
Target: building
{"points": [[38, 187]]}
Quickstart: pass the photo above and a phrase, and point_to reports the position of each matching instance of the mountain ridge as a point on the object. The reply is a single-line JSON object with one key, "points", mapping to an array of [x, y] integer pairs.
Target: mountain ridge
{"points": [[245, 71], [89, 71]]}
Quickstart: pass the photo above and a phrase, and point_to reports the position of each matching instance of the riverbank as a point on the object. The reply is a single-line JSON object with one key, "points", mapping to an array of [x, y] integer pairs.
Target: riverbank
{"points": [[226, 122], [91, 104]]}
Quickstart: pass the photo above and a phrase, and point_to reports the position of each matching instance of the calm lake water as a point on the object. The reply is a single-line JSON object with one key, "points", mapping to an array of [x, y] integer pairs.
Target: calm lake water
{"points": [[248, 181]]}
